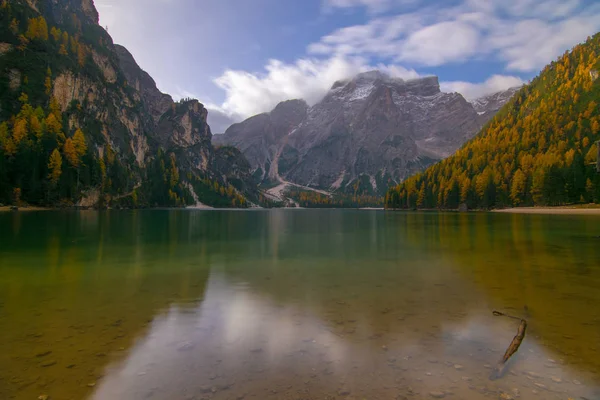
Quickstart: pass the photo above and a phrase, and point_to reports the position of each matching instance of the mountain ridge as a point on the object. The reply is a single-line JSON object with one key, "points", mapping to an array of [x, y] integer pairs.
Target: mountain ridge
{"points": [[409, 124]]}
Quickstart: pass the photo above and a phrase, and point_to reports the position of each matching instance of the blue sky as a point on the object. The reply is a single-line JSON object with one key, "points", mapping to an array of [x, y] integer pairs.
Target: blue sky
{"points": [[241, 57]]}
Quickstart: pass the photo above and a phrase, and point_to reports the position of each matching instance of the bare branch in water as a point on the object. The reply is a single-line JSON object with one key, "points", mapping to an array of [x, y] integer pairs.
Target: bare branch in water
{"points": [[512, 348]]}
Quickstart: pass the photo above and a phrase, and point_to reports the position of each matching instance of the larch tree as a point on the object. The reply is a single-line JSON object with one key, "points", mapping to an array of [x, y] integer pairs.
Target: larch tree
{"points": [[55, 167], [79, 143], [70, 153], [80, 148], [517, 188]]}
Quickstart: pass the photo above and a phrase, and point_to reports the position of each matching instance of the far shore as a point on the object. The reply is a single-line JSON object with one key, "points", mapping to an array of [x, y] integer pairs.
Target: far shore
{"points": [[565, 210], [28, 208], [591, 209]]}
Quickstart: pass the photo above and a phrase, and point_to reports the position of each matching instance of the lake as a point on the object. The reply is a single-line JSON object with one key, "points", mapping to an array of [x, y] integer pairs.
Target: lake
{"points": [[297, 304]]}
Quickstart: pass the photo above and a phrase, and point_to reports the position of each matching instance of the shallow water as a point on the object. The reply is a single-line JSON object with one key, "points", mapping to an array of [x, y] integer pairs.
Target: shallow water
{"points": [[297, 304]]}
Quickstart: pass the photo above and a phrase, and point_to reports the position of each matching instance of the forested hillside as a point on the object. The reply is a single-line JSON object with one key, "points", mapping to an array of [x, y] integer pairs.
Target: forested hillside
{"points": [[540, 149], [82, 124]]}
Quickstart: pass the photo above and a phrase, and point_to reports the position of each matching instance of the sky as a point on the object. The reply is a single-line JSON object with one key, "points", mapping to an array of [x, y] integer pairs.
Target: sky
{"points": [[242, 57]]}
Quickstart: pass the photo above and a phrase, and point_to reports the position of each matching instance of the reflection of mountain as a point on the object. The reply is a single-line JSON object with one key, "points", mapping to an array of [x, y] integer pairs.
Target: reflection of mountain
{"points": [[81, 288]]}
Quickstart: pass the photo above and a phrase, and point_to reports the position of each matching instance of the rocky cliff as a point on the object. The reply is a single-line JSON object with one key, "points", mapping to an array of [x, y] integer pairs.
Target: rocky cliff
{"points": [[366, 134], [61, 69]]}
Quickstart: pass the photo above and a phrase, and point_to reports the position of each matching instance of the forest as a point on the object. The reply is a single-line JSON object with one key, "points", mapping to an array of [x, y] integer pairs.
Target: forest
{"points": [[539, 150], [310, 199]]}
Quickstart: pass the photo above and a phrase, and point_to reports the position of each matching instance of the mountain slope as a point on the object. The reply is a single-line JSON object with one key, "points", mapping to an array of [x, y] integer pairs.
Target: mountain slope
{"points": [[366, 133], [539, 149], [81, 122]]}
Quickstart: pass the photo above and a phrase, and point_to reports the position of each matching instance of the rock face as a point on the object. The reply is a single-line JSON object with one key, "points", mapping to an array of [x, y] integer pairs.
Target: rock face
{"points": [[261, 137], [157, 102], [488, 106], [366, 133]]}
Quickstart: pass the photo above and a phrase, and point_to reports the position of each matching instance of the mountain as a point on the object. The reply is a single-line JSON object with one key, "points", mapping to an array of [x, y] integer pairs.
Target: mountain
{"points": [[367, 133], [488, 106], [540, 149], [260, 137], [82, 123]]}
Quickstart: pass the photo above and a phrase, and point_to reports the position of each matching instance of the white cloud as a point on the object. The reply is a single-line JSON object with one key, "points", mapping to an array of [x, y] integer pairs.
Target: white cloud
{"points": [[248, 94], [471, 91], [373, 6], [523, 34], [440, 43], [530, 44]]}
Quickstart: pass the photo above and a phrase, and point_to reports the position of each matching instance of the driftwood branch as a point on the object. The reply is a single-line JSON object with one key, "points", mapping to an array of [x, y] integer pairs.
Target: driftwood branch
{"points": [[499, 371]]}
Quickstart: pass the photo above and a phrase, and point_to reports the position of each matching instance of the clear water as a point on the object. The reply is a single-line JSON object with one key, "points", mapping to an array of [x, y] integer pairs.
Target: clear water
{"points": [[297, 304]]}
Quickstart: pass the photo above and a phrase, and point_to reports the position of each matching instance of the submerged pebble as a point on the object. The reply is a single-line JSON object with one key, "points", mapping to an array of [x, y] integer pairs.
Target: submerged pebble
{"points": [[437, 394], [48, 363]]}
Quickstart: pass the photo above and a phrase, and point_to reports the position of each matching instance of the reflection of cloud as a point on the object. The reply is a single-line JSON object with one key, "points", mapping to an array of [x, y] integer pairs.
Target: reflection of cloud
{"points": [[249, 344]]}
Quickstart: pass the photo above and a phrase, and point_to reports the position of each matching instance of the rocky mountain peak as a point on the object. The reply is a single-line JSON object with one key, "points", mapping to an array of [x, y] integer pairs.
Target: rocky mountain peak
{"points": [[290, 106], [373, 129], [62, 10], [289, 113], [427, 86], [492, 103], [157, 102], [363, 84]]}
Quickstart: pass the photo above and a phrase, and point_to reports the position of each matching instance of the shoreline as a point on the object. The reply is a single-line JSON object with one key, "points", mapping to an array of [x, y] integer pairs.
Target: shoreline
{"points": [[26, 209], [559, 210]]}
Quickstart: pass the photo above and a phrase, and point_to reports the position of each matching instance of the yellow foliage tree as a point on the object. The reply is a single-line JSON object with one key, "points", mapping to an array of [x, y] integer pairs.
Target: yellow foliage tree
{"points": [[55, 167], [36, 126], [37, 28], [56, 34], [79, 143], [517, 188], [70, 153], [6, 142], [19, 131], [53, 125], [595, 126], [592, 155]]}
